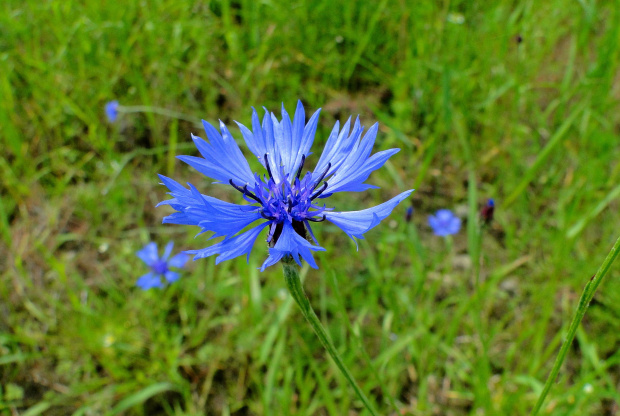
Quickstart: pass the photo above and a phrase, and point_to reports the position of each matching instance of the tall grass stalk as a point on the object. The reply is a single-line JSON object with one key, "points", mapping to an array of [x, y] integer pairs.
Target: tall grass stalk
{"points": [[127, 109], [291, 275], [582, 307]]}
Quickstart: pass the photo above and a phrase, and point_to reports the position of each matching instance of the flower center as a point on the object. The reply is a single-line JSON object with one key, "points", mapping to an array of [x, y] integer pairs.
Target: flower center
{"points": [[159, 267], [288, 200]]}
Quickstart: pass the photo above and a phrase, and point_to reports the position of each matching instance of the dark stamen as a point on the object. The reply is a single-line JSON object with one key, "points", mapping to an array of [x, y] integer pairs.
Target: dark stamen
{"points": [[238, 188], [319, 192], [245, 191], [265, 216], [315, 220], [303, 160], [267, 166], [251, 195], [329, 165]]}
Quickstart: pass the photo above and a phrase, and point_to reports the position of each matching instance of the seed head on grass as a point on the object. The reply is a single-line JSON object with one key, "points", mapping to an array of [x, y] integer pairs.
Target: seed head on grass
{"points": [[283, 199], [487, 211], [111, 111], [159, 266], [444, 223]]}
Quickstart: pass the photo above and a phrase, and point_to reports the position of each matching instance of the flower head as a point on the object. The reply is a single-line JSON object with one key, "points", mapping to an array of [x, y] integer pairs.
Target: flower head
{"points": [[159, 266], [111, 110], [444, 223], [284, 199]]}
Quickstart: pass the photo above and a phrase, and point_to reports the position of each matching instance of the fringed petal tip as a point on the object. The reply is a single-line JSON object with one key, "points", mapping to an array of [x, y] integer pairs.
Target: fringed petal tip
{"points": [[357, 223]]}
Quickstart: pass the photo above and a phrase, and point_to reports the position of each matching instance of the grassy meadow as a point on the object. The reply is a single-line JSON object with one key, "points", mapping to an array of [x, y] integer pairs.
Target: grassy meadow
{"points": [[511, 100]]}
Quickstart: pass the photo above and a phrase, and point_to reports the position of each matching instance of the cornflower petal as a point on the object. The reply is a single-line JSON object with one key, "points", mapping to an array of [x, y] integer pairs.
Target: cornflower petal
{"points": [[168, 250], [179, 260], [273, 155], [301, 136], [284, 142], [356, 223], [284, 137], [232, 247], [211, 214], [291, 243], [338, 146], [355, 167], [216, 163], [254, 140], [352, 178], [172, 276], [148, 281], [221, 159], [184, 197], [148, 254]]}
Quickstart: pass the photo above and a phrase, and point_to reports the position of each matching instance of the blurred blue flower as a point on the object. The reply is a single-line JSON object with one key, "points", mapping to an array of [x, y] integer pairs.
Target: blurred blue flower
{"points": [[111, 110], [159, 266], [444, 223], [284, 201]]}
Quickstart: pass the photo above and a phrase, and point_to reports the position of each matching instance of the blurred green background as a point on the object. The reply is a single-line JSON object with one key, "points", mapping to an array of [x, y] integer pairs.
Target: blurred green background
{"points": [[511, 100]]}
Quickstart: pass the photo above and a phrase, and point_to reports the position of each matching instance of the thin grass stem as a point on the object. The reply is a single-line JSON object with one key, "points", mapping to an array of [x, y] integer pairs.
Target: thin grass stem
{"points": [[291, 275], [127, 109], [582, 307]]}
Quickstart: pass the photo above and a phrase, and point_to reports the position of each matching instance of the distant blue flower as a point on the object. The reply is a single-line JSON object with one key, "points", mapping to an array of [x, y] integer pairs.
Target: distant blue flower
{"points": [[444, 223], [111, 110], [159, 266], [284, 200]]}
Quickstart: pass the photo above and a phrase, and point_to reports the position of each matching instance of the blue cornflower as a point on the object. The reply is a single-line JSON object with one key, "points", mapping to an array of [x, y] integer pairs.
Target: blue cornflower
{"points": [[284, 201], [159, 266], [444, 223], [111, 110]]}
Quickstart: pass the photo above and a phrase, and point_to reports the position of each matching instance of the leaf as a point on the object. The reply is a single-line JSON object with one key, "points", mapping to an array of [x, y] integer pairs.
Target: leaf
{"points": [[141, 396]]}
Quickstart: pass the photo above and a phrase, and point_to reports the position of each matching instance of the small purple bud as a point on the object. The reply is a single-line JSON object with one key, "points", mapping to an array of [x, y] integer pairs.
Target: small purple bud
{"points": [[487, 211], [111, 111], [409, 214]]}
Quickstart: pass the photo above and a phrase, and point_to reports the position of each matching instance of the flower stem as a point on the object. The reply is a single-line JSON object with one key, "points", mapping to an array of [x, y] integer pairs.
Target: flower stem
{"points": [[582, 307], [158, 110], [483, 367], [291, 275]]}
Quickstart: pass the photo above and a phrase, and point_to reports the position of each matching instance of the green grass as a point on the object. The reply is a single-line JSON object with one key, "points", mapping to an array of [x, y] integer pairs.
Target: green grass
{"points": [[477, 115]]}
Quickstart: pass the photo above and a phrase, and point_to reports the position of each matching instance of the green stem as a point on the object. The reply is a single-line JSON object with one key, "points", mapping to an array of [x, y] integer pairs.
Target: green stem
{"points": [[360, 345], [291, 275], [158, 110], [485, 367], [582, 307]]}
